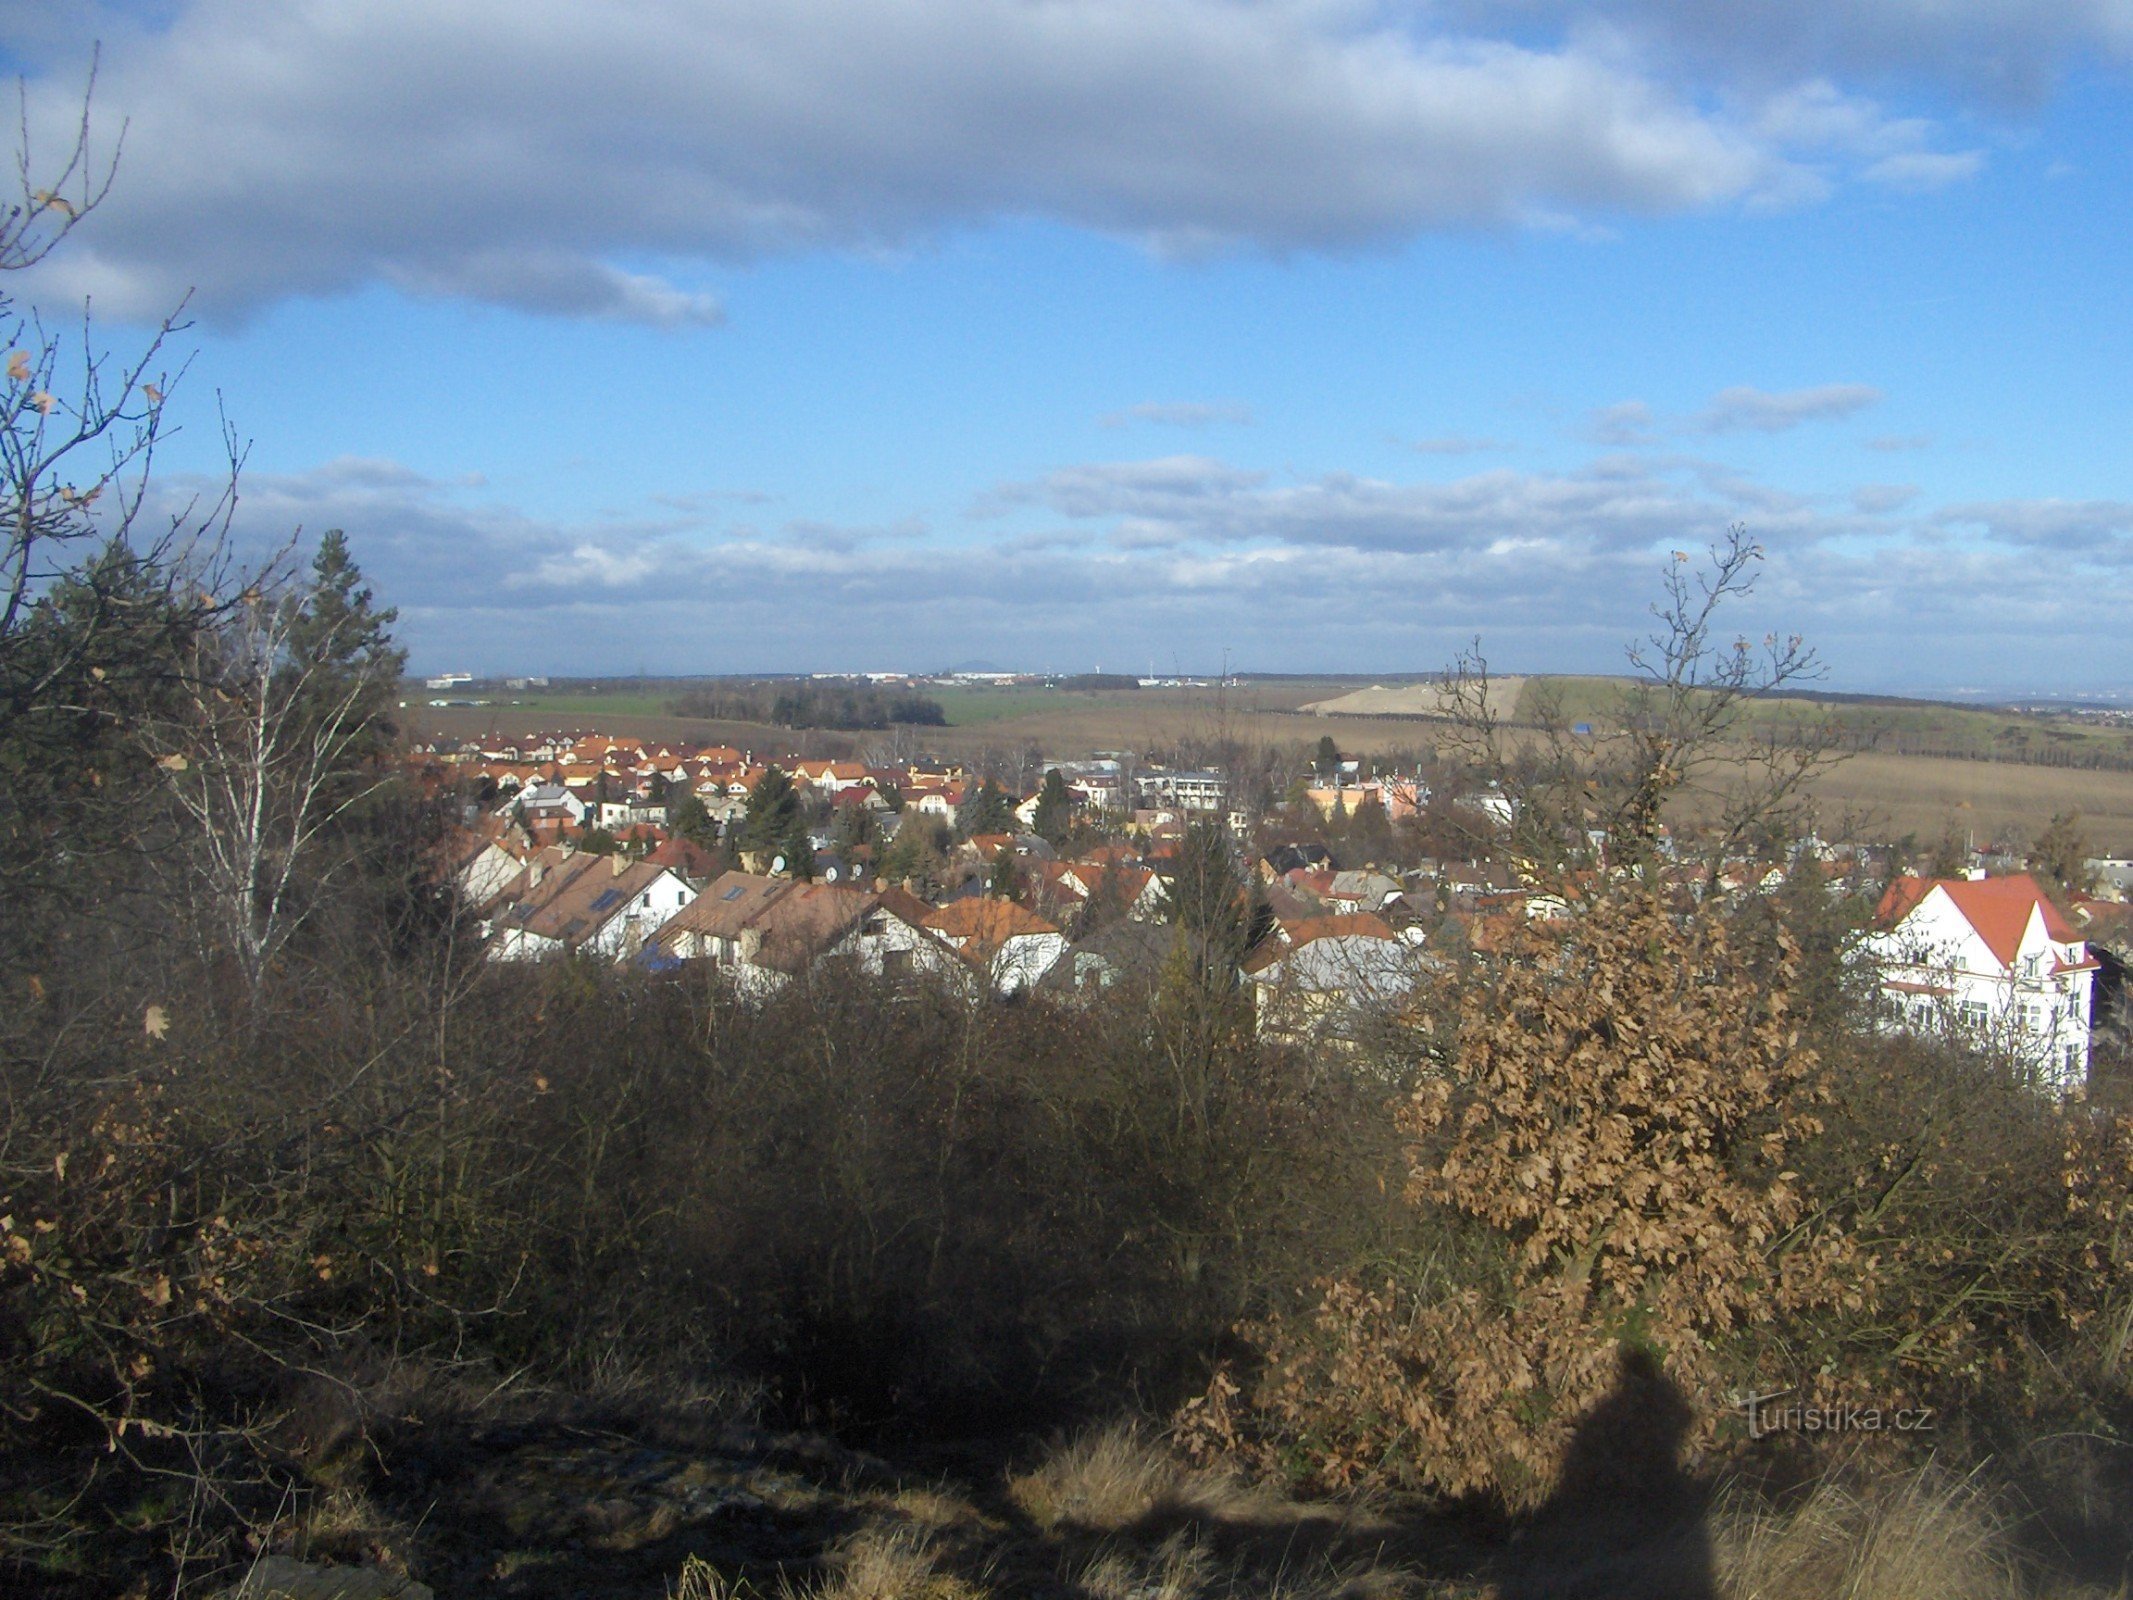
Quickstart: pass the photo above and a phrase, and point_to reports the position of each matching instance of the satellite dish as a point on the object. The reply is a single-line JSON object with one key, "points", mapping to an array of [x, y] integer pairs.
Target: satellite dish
{"points": [[777, 863]]}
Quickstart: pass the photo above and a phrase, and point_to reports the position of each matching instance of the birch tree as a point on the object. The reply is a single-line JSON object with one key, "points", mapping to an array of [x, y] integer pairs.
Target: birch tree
{"points": [[277, 738]]}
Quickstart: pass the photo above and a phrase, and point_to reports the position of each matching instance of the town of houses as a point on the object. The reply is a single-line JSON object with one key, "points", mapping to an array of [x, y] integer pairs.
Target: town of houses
{"points": [[571, 849]]}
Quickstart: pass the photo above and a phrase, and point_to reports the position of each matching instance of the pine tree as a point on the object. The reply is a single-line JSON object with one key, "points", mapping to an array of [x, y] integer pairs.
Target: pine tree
{"points": [[1055, 809], [340, 644], [773, 811], [988, 810]]}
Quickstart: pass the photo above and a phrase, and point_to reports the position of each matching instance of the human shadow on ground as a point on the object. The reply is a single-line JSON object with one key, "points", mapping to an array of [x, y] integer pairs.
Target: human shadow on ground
{"points": [[1627, 1521]]}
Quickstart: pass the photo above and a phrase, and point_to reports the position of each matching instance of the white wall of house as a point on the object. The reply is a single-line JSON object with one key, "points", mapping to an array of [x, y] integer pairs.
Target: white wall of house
{"points": [[1938, 974], [882, 944], [1024, 958], [623, 934], [486, 876]]}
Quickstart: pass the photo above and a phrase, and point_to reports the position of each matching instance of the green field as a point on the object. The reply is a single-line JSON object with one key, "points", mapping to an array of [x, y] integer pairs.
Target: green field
{"points": [[570, 707]]}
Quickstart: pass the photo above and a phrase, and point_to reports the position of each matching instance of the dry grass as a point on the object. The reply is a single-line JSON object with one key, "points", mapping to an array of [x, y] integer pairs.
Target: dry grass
{"points": [[345, 1526], [1113, 1516], [1116, 1477], [1178, 1569], [1925, 1534]]}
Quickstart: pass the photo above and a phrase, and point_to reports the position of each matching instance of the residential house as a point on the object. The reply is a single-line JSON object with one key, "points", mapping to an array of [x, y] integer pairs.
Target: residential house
{"points": [[1185, 791], [1010, 944], [1990, 959], [545, 802], [721, 924], [1317, 975], [891, 940], [591, 905]]}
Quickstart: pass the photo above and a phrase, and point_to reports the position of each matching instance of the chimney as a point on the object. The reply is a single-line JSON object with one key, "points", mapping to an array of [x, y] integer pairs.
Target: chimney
{"points": [[619, 863]]}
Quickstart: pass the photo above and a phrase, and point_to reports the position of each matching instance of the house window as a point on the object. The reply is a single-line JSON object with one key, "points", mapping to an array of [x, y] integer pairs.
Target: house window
{"points": [[896, 963]]}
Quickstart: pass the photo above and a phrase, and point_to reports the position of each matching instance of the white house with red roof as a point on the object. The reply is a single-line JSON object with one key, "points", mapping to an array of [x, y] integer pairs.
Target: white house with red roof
{"points": [[1992, 959]]}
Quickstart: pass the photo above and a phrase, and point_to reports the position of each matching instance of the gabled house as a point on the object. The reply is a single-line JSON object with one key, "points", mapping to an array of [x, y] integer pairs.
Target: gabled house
{"points": [[1010, 944], [479, 864], [545, 802], [1315, 971], [591, 905], [891, 940], [1360, 890], [720, 925], [1989, 959]]}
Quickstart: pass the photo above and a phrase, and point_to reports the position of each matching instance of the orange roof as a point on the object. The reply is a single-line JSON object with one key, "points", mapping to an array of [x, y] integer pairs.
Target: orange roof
{"points": [[986, 924], [1998, 908]]}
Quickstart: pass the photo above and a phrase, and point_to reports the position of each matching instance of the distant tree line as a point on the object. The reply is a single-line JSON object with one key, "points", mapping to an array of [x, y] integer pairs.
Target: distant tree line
{"points": [[807, 703]]}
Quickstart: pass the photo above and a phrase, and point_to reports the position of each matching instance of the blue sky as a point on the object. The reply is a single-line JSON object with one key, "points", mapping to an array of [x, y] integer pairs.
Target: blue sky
{"points": [[730, 335]]}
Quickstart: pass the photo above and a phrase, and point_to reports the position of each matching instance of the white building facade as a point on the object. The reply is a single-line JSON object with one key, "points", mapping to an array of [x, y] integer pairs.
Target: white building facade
{"points": [[1990, 960]]}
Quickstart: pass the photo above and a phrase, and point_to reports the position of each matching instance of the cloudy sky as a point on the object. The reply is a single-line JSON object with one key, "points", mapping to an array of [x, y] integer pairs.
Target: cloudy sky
{"points": [[728, 335]]}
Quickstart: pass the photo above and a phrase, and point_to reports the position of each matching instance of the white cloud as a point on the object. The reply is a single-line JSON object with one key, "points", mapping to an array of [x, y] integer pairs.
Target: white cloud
{"points": [[1745, 408], [1922, 171], [2099, 529], [2004, 52], [1179, 413]]}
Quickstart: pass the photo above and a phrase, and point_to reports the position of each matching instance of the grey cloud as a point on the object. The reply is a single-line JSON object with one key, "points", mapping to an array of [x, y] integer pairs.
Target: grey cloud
{"points": [[550, 283], [515, 150], [1456, 444], [2004, 52], [1876, 499], [1179, 413], [1744, 408], [1627, 422], [2099, 528], [1188, 556], [1617, 504]]}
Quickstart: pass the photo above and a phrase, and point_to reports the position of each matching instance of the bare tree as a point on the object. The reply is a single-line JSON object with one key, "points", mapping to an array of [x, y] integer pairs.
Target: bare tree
{"points": [[1683, 729], [271, 746], [78, 434]]}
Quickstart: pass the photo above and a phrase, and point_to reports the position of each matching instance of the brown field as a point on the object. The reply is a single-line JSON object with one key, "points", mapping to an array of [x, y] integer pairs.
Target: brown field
{"points": [[1926, 795], [1415, 700], [1886, 796]]}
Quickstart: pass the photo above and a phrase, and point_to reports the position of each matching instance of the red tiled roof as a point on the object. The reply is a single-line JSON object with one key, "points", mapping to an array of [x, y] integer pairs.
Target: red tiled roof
{"points": [[985, 923], [1998, 908]]}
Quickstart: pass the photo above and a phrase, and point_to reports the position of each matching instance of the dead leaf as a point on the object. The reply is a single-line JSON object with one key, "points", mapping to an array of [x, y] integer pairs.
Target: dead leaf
{"points": [[155, 395], [44, 401], [172, 763], [36, 987], [155, 1021], [18, 366]]}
